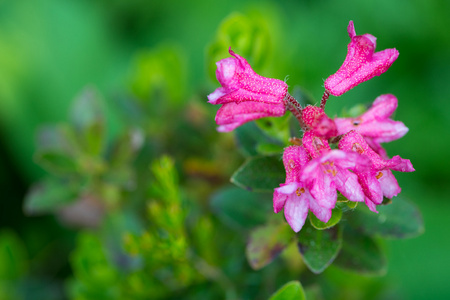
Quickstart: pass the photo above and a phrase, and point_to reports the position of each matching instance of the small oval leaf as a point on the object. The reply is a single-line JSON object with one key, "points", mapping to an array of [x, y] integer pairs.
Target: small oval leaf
{"points": [[266, 242], [260, 174], [360, 254], [241, 209], [292, 290], [398, 220], [319, 247], [335, 218]]}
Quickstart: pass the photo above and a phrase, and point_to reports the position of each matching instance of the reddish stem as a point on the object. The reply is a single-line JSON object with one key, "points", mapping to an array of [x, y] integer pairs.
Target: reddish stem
{"points": [[295, 108], [325, 96]]}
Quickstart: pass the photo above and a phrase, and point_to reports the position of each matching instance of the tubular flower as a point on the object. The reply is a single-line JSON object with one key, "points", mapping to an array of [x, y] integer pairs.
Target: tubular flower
{"points": [[329, 170], [361, 64], [375, 125], [378, 181], [293, 195], [251, 95]]}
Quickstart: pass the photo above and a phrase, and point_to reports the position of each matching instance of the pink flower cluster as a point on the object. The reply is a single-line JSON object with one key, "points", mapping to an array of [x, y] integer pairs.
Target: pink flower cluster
{"points": [[358, 167]]}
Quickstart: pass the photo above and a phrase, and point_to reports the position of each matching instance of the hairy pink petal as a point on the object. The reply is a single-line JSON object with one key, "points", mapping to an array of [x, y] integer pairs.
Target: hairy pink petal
{"points": [[318, 122], [361, 63], [240, 83], [294, 158], [314, 144], [375, 123], [232, 115]]}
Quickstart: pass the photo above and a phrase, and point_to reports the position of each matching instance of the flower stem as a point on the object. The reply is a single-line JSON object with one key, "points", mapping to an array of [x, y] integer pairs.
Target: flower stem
{"points": [[325, 96], [295, 108]]}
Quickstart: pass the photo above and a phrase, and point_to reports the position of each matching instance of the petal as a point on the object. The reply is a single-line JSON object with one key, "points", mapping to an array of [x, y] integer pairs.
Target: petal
{"points": [[294, 158], [347, 183], [389, 184], [232, 115], [322, 213], [383, 131], [315, 145], [288, 188], [296, 211], [226, 71], [400, 164], [371, 187], [240, 83], [216, 95], [382, 108], [279, 199], [319, 183], [372, 206]]}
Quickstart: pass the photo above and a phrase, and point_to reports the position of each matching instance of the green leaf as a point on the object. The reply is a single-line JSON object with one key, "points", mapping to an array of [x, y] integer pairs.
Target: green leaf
{"points": [[335, 218], [361, 254], [260, 174], [319, 247], [247, 35], [266, 242], [249, 137], [159, 73], [398, 220], [56, 162], [126, 147], [241, 209], [87, 117], [292, 290], [13, 257], [49, 195], [276, 127]]}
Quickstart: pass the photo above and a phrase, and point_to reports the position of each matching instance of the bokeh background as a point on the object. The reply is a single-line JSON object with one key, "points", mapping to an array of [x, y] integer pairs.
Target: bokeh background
{"points": [[50, 50]]}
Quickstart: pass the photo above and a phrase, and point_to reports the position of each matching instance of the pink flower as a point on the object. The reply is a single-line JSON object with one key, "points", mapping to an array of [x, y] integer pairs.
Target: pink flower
{"points": [[250, 95], [375, 125], [293, 194], [318, 122], [378, 181], [329, 170], [361, 63]]}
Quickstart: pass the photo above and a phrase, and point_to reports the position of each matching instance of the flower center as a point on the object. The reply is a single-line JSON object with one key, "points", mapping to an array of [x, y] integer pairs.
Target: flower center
{"points": [[379, 175], [329, 168], [300, 191]]}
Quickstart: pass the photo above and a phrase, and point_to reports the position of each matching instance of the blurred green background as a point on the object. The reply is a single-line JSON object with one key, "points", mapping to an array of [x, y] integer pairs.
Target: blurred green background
{"points": [[50, 50]]}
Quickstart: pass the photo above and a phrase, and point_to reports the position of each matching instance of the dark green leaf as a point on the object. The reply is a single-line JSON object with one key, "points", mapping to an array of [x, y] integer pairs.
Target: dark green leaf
{"points": [[319, 247], [260, 174], [335, 218], [49, 195], [266, 242], [240, 208], [13, 260], [249, 137], [292, 290], [360, 254], [398, 220], [56, 162]]}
